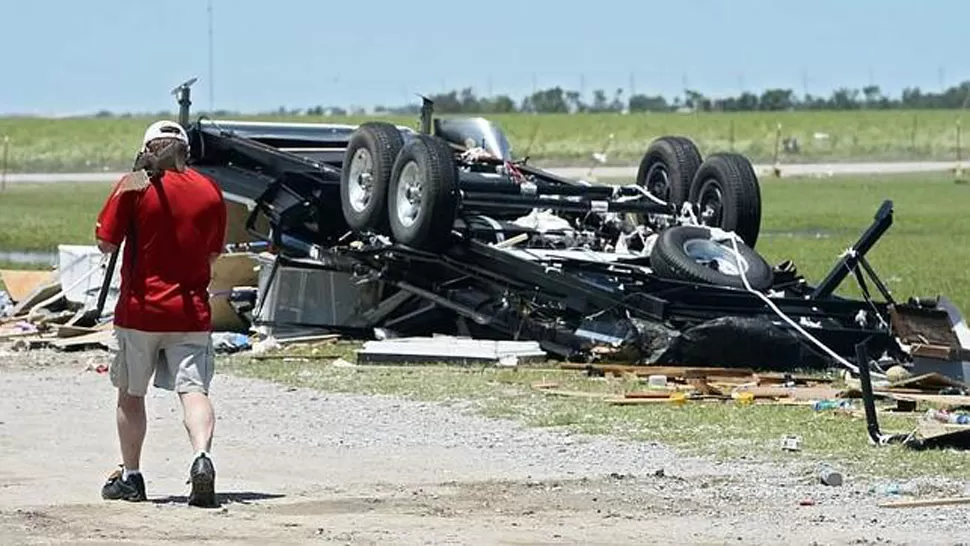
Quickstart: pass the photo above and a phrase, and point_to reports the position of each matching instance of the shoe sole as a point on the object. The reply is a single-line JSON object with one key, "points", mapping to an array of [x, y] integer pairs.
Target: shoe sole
{"points": [[203, 490]]}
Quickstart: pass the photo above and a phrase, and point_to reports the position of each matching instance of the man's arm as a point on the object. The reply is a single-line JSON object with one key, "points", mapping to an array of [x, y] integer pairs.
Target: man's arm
{"points": [[115, 217], [218, 243]]}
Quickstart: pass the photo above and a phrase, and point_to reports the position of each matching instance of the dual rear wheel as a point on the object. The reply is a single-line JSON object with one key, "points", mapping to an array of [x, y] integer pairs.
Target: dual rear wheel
{"points": [[407, 190]]}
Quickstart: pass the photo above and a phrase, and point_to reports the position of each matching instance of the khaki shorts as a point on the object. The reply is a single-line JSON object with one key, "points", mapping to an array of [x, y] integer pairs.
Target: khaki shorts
{"points": [[180, 361]]}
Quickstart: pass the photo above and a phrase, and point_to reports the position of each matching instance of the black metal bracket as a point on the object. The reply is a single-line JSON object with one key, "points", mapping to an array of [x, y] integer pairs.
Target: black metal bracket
{"points": [[184, 93], [427, 111], [881, 222]]}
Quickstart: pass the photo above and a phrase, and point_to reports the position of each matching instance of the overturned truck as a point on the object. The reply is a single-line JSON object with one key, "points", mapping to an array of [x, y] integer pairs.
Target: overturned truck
{"points": [[454, 236]]}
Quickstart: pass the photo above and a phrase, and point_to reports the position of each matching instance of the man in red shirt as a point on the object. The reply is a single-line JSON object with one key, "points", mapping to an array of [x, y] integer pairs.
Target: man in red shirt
{"points": [[172, 220]]}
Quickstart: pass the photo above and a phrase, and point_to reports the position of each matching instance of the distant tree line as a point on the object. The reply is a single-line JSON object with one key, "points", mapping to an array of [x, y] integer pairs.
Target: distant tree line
{"points": [[560, 100]]}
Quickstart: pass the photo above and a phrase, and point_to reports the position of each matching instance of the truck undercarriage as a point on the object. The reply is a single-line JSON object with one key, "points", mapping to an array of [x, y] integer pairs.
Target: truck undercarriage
{"points": [[452, 236]]}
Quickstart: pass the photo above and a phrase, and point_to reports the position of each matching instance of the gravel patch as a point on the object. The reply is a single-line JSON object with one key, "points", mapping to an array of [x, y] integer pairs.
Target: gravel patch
{"points": [[297, 463]]}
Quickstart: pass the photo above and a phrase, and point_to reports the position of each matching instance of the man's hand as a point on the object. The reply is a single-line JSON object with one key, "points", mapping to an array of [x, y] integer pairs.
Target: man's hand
{"points": [[105, 247]]}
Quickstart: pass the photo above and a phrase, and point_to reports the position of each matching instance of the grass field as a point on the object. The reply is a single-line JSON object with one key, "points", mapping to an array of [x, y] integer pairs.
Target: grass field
{"points": [[93, 144], [38, 217], [810, 221]]}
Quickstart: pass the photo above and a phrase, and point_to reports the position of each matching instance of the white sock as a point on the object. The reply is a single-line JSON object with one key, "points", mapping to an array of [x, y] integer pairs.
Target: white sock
{"points": [[125, 473], [201, 453]]}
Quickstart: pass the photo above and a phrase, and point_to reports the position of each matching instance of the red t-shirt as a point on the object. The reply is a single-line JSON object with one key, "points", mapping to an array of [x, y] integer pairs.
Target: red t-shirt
{"points": [[172, 229]]}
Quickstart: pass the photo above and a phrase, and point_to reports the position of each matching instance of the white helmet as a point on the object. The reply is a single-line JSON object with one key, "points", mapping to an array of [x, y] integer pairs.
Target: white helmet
{"points": [[165, 129]]}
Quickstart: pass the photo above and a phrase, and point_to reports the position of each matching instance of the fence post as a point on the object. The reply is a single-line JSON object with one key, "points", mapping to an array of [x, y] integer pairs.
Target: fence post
{"points": [[777, 167], [3, 172], [959, 167], [912, 137]]}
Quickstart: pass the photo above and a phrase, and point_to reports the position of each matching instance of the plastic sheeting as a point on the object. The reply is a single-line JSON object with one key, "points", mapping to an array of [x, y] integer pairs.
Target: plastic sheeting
{"points": [[736, 342]]}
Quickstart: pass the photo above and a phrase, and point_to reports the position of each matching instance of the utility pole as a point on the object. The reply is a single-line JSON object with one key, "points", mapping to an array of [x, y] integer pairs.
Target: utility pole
{"points": [[212, 85]]}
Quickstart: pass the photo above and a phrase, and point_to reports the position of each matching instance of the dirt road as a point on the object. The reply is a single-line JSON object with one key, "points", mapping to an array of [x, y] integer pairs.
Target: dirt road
{"points": [[299, 466]]}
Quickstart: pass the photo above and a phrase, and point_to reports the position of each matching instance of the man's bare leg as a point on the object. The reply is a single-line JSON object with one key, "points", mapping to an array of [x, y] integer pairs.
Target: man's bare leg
{"points": [[131, 428], [199, 420]]}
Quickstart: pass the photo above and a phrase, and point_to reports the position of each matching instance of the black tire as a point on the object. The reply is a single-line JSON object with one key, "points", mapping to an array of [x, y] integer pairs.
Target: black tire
{"points": [[380, 142], [671, 259], [674, 156], [726, 193], [431, 162]]}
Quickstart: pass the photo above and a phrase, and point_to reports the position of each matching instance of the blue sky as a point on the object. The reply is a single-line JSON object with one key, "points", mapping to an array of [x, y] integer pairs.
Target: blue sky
{"points": [[79, 56]]}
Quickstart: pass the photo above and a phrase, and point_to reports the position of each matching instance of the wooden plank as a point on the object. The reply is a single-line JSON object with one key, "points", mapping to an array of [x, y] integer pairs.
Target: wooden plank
{"points": [[19, 284], [775, 377], [99, 338], [940, 352], [307, 339], [669, 371], [929, 381], [40, 294], [922, 503], [576, 394], [648, 394], [4, 336], [624, 401], [794, 393], [13, 319], [703, 387], [74, 331], [944, 400]]}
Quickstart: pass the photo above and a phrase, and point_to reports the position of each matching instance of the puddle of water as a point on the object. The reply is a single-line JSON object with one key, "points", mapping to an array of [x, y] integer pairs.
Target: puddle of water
{"points": [[29, 257], [813, 233]]}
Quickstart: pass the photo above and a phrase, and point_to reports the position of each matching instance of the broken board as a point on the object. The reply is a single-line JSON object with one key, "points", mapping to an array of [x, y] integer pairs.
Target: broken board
{"points": [[446, 349], [230, 271], [99, 339], [20, 284]]}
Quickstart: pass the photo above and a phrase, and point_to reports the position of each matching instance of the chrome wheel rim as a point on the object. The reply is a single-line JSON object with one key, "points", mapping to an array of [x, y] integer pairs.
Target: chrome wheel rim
{"points": [[718, 257], [361, 180], [409, 194]]}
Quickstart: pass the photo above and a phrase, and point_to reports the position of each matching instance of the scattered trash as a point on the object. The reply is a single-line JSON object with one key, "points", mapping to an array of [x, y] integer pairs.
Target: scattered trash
{"points": [[829, 476], [806, 502], [944, 416], [791, 443], [265, 346], [6, 304], [97, 367], [923, 503], [895, 489], [341, 363], [743, 398], [229, 342], [823, 405], [897, 373]]}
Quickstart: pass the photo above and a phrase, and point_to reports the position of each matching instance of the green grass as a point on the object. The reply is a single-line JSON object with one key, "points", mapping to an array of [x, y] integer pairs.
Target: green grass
{"points": [[721, 430], [91, 144], [921, 254], [38, 217]]}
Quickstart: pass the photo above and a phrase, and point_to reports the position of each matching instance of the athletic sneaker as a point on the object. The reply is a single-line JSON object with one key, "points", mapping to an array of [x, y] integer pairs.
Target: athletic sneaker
{"points": [[202, 476], [132, 489]]}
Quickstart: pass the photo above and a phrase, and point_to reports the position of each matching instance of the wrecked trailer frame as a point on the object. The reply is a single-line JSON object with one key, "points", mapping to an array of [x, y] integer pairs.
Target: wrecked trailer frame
{"points": [[578, 304]]}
